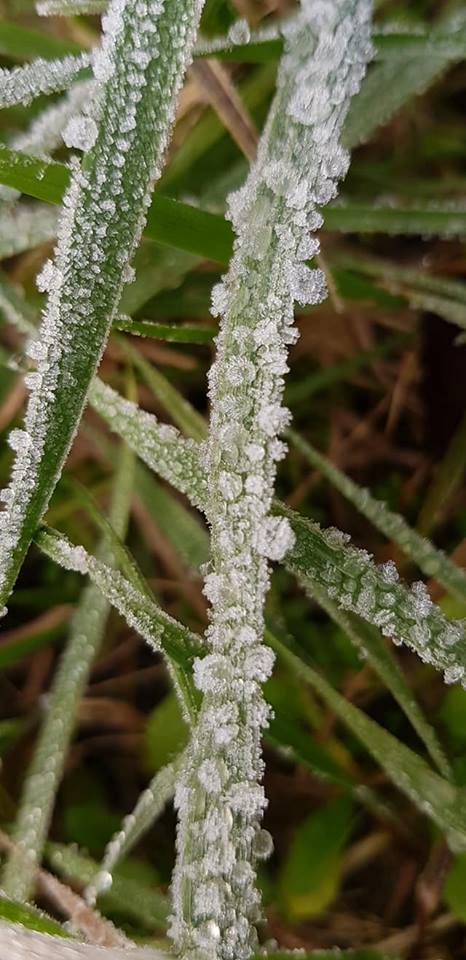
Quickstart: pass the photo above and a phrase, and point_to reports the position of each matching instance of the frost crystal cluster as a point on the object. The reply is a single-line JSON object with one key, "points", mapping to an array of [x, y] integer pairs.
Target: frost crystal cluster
{"points": [[138, 71], [219, 798]]}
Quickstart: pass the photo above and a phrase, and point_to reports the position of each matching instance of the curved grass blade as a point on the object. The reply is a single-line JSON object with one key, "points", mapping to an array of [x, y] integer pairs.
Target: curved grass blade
{"points": [[172, 332], [95, 245], [148, 807], [441, 800], [433, 562], [162, 632], [370, 645], [46, 769], [22, 84]]}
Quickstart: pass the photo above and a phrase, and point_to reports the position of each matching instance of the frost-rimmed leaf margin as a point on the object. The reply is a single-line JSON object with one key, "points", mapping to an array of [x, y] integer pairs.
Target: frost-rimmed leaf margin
{"points": [[145, 47]]}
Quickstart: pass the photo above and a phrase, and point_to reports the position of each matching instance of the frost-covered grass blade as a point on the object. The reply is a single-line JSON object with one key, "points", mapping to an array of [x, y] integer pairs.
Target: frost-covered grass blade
{"points": [[124, 136]]}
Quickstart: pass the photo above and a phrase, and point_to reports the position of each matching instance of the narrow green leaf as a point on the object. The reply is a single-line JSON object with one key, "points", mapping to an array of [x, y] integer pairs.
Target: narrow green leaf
{"points": [[309, 877], [441, 800], [30, 918], [140, 611], [173, 333], [128, 897], [72, 676], [433, 562], [24, 43]]}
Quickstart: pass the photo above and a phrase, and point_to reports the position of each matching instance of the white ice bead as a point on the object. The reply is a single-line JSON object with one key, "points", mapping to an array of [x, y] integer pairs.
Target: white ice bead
{"points": [[274, 538], [230, 485], [80, 132], [258, 663], [239, 32], [307, 286], [213, 673], [273, 418]]}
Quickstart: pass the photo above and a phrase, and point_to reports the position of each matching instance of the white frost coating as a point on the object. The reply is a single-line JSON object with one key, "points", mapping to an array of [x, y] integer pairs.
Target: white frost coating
{"points": [[22, 84], [220, 799], [24, 226], [139, 68], [45, 133]]}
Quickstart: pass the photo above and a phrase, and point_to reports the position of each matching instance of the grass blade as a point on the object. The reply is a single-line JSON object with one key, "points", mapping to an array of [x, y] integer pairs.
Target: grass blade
{"points": [[46, 770], [22, 84], [88, 274], [162, 632], [431, 793], [433, 562], [368, 641]]}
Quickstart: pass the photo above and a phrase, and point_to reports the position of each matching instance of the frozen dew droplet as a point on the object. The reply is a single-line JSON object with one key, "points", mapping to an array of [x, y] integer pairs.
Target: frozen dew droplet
{"points": [[80, 132], [239, 32], [274, 538]]}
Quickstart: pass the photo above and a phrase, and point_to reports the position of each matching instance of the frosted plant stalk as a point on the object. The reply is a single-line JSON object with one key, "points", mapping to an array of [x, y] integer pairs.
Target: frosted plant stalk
{"points": [[46, 770], [139, 69], [22, 84], [220, 798], [24, 226]]}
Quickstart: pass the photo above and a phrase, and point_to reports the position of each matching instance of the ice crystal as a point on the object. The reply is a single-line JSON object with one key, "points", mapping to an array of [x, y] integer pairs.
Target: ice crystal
{"points": [[298, 163]]}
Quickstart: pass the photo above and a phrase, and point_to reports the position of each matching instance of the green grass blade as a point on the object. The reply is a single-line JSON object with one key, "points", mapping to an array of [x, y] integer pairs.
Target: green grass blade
{"points": [[209, 235], [162, 632], [30, 918], [46, 769], [433, 562], [148, 807], [94, 249], [411, 66], [443, 802], [420, 220], [160, 446], [372, 648], [24, 43], [172, 332]]}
